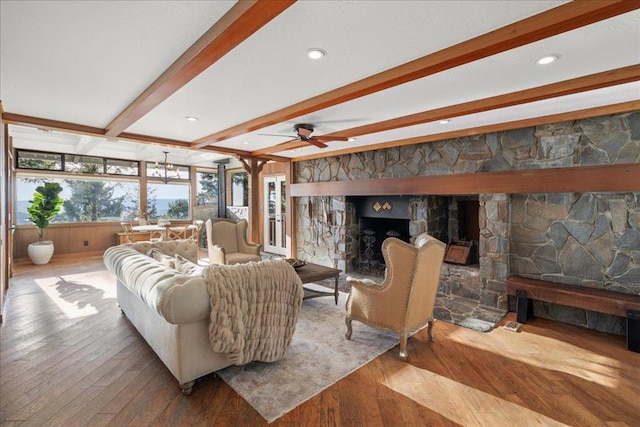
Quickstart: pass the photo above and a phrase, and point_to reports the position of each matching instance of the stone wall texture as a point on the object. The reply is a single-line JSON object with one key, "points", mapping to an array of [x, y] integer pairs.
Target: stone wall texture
{"points": [[590, 239]]}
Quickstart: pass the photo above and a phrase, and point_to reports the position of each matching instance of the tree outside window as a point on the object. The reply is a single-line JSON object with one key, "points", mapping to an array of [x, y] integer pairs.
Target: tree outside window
{"points": [[207, 188], [86, 200], [239, 189]]}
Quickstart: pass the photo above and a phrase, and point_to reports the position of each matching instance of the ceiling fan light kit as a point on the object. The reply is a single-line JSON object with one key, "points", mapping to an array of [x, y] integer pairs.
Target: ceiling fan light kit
{"points": [[303, 130]]}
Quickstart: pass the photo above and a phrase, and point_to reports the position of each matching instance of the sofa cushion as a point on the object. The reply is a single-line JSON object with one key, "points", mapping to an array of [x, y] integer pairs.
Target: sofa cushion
{"points": [[187, 267], [162, 258], [186, 248]]}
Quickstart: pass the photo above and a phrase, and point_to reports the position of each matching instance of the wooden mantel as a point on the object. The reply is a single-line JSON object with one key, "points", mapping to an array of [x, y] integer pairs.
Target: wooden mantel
{"points": [[579, 179]]}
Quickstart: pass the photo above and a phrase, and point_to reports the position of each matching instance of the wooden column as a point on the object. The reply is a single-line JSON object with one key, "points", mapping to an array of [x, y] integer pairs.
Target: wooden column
{"points": [[292, 247], [253, 166]]}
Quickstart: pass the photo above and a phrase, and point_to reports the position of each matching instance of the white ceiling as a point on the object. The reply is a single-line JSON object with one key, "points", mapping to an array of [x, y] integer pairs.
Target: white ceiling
{"points": [[84, 62]]}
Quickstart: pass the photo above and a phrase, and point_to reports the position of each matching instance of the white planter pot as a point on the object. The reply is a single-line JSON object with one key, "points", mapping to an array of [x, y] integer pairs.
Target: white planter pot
{"points": [[40, 252]]}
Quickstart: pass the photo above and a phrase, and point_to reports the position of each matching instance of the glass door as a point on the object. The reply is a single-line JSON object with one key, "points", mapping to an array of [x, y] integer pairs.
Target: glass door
{"points": [[275, 217]]}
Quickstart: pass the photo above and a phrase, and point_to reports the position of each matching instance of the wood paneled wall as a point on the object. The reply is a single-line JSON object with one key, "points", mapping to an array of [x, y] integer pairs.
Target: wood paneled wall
{"points": [[70, 238], [67, 238]]}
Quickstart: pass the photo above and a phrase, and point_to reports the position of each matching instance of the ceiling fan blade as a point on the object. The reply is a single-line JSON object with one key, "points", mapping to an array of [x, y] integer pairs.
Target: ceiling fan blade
{"points": [[314, 141], [273, 134], [330, 138]]}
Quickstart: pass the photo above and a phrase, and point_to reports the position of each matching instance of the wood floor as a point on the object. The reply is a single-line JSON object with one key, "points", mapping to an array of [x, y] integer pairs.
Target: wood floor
{"points": [[68, 357]]}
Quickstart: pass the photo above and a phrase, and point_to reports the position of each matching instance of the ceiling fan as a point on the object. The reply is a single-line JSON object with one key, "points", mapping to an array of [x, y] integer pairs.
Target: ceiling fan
{"points": [[303, 133]]}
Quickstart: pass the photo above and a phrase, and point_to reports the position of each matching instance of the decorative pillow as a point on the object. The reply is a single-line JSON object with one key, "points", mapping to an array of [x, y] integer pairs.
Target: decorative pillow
{"points": [[162, 258], [185, 266]]}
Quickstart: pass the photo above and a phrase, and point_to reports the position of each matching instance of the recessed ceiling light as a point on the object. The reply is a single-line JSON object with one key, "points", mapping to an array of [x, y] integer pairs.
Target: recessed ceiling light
{"points": [[245, 142], [445, 121], [548, 59], [292, 151], [351, 139], [192, 119], [316, 53]]}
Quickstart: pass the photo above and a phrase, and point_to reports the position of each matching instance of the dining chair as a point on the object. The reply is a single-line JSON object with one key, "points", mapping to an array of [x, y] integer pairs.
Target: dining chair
{"points": [[127, 228], [195, 233], [179, 233]]}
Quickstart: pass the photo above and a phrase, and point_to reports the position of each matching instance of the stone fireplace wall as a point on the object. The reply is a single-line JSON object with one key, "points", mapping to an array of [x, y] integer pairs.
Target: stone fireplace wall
{"points": [[579, 239], [562, 229]]}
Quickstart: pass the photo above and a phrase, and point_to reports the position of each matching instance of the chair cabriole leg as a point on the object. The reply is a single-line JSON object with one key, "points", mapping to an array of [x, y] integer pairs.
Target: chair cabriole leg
{"points": [[403, 346], [430, 330], [347, 320]]}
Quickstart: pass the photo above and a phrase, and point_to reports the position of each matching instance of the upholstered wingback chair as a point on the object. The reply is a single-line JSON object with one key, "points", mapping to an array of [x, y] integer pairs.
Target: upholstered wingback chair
{"points": [[227, 242], [404, 301]]}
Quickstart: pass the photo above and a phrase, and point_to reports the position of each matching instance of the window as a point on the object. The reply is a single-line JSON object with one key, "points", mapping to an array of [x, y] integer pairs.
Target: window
{"points": [[83, 164], [104, 189], [89, 195], [168, 201], [73, 163], [37, 160], [239, 188], [122, 167], [86, 199], [206, 188]]}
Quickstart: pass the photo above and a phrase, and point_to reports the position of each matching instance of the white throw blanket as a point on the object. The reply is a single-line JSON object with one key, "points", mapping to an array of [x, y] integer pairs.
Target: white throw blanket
{"points": [[254, 309]]}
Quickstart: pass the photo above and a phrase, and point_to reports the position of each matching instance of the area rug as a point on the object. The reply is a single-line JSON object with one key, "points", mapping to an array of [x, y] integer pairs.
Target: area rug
{"points": [[319, 356]]}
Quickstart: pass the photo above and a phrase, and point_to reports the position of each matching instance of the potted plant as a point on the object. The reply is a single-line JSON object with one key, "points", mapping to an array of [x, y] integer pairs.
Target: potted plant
{"points": [[45, 205]]}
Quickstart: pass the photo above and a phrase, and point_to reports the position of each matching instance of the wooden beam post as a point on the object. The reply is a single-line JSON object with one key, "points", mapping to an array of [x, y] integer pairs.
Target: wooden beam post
{"points": [[292, 247], [254, 166]]}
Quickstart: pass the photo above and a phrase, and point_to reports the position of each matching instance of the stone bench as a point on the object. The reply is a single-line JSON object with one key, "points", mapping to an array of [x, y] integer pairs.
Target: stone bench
{"points": [[599, 300]]}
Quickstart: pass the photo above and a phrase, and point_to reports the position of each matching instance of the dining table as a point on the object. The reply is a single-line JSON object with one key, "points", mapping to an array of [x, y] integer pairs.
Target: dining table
{"points": [[161, 231]]}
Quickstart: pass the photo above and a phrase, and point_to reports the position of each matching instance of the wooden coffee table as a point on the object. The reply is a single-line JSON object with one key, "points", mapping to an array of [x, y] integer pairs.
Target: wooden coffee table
{"points": [[310, 272]]}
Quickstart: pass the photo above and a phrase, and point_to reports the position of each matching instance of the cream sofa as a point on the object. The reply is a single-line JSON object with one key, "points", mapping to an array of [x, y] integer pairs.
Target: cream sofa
{"points": [[172, 310]]}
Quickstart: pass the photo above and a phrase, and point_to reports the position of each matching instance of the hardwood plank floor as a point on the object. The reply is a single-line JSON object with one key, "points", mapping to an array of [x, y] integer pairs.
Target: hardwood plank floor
{"points": [[68, 357]]}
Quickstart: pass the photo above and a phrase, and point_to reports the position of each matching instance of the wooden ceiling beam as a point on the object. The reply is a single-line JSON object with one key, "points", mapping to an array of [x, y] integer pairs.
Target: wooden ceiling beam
{"points": [[555, 21], [241, 21], [37, 122]]}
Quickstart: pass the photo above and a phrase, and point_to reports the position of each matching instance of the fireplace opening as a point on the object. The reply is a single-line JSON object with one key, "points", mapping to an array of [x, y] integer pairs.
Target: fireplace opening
{"points": [[374, 231], [463, 220], [463, 230], [451, 219]]}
